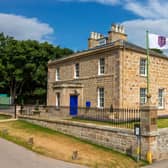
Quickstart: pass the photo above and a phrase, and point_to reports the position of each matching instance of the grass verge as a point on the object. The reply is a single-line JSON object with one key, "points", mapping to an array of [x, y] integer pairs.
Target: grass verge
{"points": [[60, 146]]}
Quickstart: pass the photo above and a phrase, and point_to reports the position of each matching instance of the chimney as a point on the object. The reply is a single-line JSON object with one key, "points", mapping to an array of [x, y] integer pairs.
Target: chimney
{"points": [[93, 39], [117, 32]]}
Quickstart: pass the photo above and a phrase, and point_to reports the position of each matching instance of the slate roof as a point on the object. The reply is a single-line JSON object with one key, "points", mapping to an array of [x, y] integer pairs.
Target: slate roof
{"points": [[118, 44]]}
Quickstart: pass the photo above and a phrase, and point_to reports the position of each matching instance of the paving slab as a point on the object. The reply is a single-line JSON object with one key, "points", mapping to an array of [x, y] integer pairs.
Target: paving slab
{"points": [[7, 120], [159, 164]]}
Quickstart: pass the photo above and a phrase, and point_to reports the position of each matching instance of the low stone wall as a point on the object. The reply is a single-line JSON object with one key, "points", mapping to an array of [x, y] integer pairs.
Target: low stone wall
{"points": [[7, 113], [121, 140], [162, 143]]}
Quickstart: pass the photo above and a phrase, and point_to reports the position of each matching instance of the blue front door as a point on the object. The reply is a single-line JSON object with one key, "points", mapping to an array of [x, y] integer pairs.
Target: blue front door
{"points": [[73, 105]]}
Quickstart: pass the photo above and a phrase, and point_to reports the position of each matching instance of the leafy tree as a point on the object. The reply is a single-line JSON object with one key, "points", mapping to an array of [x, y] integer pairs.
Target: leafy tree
{"points": [[157, 50], [23, 65]]}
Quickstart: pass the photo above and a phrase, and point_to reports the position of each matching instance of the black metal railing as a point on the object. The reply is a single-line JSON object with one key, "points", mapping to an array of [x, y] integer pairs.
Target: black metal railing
{"points": [[109, 116], [44, 111], [7, 108], [116, 117]]}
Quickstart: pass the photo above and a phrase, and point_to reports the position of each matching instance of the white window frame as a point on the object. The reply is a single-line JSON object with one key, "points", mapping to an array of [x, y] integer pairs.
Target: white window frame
{"points": [[57, 101], [57, 74], [143, 67], [101, 66], [100, 97], [143, 96], [161, 97], [76, 70]]}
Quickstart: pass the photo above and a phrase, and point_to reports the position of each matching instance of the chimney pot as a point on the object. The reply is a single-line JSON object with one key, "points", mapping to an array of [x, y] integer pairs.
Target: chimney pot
{"points": [[116, 28], [122, 29], [92, 35], [119, 28], [96, 35], [113, 27], [99, 35]]}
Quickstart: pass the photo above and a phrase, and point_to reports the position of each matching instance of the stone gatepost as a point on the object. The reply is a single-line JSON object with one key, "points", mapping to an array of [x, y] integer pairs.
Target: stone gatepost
{"points": [[148, 132]]}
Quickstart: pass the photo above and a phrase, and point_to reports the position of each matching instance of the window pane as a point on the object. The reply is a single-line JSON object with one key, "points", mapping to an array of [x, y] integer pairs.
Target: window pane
{"points": [[161, 98], [57, 75], [77, 70], [57, 99], [143, 98], [101, 66], [100, 97], [143, 67]]}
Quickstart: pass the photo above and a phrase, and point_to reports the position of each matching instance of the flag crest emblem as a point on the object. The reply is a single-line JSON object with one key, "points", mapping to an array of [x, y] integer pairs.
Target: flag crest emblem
{"points": [[161, 41]]}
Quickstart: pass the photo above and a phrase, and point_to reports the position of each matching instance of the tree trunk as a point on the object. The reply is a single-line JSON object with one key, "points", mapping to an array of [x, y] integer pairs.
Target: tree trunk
{"points": [[12, 94]]}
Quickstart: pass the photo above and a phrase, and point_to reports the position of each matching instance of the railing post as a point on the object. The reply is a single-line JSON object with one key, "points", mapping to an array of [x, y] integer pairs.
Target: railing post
{"points": [[148, 124], [15, 111], [15, 104]]}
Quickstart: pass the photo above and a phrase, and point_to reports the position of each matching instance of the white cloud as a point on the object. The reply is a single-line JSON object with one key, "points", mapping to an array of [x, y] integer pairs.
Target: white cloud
{"points": [[23, 28], [136, 29], [153, 16], [108, 2], [146, 9], [153, 9]]}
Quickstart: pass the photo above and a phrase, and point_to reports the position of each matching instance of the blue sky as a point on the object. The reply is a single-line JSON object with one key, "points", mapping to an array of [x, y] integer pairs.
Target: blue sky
{"points": [[68, 22]]}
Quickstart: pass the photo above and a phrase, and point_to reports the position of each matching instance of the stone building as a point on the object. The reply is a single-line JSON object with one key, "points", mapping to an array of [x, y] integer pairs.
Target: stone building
{"points": [[111, 72]]}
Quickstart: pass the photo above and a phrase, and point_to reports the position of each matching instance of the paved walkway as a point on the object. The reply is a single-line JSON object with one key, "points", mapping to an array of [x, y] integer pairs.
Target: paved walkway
{"points": [[5, 120], [160, 164], [14, 156]]}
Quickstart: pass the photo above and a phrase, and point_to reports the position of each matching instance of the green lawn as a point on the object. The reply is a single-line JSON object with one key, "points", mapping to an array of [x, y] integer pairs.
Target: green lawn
{"points": [[3, 117], [106, 123], [162, 123]]}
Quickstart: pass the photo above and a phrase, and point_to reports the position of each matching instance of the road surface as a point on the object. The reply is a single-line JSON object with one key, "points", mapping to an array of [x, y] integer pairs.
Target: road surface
{"points": [[14, 156]]}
